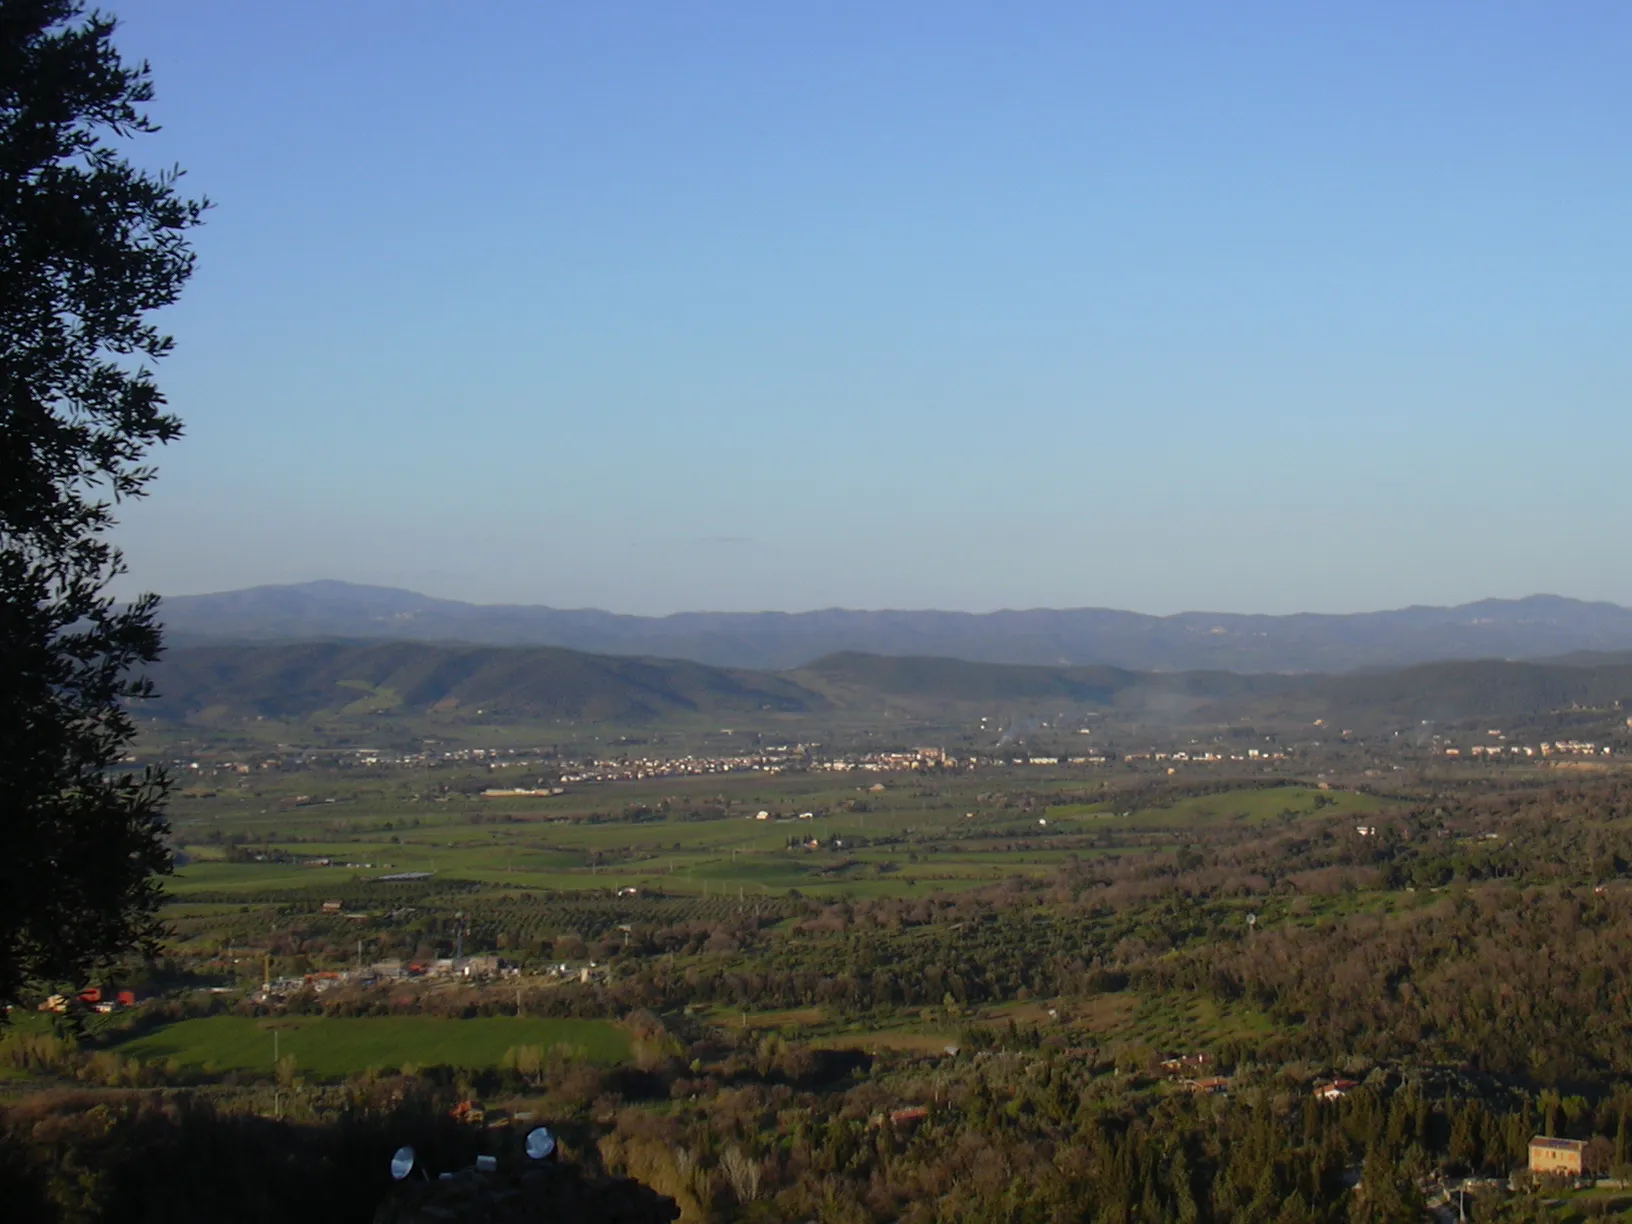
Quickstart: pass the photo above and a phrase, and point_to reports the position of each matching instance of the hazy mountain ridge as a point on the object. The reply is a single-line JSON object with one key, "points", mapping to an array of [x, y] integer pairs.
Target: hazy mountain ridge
{"points": [[302, 679], [1538, 627], [1432, 692]]}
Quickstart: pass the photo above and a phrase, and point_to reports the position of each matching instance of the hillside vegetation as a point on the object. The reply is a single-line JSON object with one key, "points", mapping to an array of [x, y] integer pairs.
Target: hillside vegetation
{"points": [[297, 680]]}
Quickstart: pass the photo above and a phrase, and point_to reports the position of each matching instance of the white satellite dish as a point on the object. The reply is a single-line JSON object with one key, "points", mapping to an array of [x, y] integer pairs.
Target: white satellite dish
{"points": [[1252, 920], [402, 1163], [540, 1143]]}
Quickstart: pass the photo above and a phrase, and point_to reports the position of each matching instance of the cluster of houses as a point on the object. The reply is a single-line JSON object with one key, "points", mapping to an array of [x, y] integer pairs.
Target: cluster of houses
{"points": [[1206, 756], [352, 758], [1195, 1073], [446, 969], [773, 761], [1076, 760], [890, 762], [776, 760], [769, 760], [1576, 748], [321, 981], [93, 997]]}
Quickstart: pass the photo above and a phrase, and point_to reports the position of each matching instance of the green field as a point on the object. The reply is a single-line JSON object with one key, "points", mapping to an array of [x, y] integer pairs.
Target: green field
{"points": [[528, 872], [332, 1048], [917, 835]]}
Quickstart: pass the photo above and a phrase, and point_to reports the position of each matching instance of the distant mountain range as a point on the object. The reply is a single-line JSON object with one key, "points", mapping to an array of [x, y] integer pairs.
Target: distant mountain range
{"points": [[223, 683], [1538, 627]]}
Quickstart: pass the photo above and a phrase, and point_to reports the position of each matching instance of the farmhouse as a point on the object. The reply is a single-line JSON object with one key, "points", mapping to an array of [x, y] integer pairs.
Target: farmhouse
{"points": [[908, 1115], [1548, 1155], [1335, 1089], [1183, 1063]]}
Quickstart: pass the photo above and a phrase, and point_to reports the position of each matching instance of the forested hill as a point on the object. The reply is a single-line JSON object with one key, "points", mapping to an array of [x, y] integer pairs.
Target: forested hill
{"points": [[1538, 627], [1434, 692], [855, 678], [298, 680]]}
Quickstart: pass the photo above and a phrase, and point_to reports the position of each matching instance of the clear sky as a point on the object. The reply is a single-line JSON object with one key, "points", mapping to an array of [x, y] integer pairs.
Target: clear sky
{"points": [[656, 306]]}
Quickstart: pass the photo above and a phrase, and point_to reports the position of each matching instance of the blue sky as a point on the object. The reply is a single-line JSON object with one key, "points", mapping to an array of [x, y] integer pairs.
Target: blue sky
{"points": [[1248, 307]]}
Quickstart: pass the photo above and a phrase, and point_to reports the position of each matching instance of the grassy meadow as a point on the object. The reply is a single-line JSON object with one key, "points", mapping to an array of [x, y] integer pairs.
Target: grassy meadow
{"points": [[332, 1048], [699, 836]]}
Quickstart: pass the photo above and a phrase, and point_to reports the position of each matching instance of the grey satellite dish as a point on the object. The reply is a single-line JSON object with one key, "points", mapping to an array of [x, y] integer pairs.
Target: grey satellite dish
{"points": [[402, 1163], [540, 1143]]}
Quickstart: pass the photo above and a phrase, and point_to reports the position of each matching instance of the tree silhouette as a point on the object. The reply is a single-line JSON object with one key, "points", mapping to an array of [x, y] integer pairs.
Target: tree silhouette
{"points": [[89, 247]]}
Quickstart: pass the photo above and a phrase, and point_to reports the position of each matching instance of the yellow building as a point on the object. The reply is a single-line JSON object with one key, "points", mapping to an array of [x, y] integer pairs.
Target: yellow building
{"points": [[1556, 1155]]}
